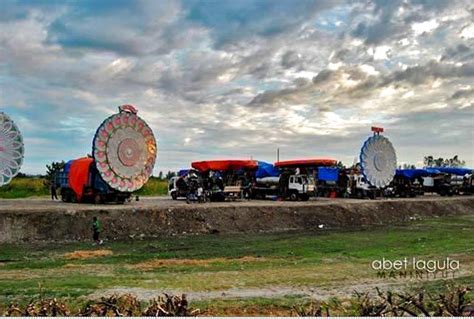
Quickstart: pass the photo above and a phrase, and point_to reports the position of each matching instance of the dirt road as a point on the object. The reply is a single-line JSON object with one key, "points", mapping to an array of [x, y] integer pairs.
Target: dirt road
{"points": [[45, 204]]}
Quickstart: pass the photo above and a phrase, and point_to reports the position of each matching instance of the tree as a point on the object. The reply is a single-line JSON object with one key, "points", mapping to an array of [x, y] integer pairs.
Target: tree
{"points": [[160, 175], [430, 161], [170, 174], [52, 170]]}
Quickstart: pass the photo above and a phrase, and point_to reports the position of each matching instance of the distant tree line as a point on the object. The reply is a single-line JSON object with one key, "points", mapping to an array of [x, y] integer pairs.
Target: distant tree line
{"points": [[168, 175], [430, 161]]}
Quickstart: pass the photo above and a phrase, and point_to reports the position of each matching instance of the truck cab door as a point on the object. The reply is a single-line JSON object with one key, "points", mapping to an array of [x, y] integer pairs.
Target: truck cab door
{"points": [[295, 183]]}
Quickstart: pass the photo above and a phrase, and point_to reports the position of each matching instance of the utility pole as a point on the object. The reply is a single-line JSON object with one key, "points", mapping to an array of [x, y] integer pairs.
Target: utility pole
{"points": [[278, 154]]}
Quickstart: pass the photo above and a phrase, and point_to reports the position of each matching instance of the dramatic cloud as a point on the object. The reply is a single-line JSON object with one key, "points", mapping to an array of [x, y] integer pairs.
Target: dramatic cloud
{"points": [[221, 79]]}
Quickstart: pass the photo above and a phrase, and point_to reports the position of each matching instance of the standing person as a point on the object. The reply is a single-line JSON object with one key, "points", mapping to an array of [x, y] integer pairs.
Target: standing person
{"points": [[96, 231], [54, 194], [247, 186]]}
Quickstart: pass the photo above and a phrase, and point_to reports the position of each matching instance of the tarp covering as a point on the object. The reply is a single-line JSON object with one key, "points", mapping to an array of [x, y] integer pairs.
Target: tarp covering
{"points": [[413, 173], [67, 166], [454, 170], [79, 175], [329, 174], [224, 165], [183, 172], [313, 162], [266, 170], [432, 171]]}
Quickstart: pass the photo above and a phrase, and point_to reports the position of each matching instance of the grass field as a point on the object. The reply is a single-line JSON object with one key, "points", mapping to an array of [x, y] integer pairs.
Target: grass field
{"points": [[22, 187], [154, 187], [250, 265]]}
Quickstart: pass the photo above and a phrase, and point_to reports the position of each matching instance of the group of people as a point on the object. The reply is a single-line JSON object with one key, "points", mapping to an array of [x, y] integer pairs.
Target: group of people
{"points": [[192, 183]]}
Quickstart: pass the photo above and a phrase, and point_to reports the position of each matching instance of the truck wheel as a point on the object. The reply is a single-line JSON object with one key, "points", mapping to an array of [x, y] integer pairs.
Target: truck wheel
{"points": [[174, 196], [294, 196]]}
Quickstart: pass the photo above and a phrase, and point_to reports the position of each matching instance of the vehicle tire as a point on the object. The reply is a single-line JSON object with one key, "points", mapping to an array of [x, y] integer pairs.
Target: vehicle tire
{"points": [[294, 196], [174, 196]]}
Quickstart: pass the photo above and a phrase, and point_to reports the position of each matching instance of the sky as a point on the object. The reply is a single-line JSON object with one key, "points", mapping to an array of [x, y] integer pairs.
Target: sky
{"points": [[238, 79]]}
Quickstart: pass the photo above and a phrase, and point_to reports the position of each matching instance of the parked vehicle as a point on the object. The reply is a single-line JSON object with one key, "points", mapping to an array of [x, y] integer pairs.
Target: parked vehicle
{"points": [[408, 182], [332, 182], [446, 181], [80, 181], [290, 180], [468, 185], [286, 186], [173, 190], [360, 188], [226, 179], [196, 191], [177, 186]]}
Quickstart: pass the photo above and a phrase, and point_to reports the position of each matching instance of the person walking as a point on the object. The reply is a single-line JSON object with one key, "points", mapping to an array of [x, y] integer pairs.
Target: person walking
{"points": [[54, 194], [96, 231]]}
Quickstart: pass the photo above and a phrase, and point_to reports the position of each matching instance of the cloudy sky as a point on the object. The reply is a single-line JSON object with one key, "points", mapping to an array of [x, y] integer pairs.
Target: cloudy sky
{"points": [[218, 79]]}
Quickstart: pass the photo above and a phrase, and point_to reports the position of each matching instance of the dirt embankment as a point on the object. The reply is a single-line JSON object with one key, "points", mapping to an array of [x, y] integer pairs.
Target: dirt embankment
{"points": [[132, 221]]}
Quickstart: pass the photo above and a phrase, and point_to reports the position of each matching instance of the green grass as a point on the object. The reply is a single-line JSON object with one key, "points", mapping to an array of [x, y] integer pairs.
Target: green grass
{"points": [[154, 187], [291, 259], [22, 187]]}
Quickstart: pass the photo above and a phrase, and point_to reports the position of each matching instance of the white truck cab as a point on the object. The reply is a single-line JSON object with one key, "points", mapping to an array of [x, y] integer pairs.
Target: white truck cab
{"points": [[300, 186], [172, 189]]}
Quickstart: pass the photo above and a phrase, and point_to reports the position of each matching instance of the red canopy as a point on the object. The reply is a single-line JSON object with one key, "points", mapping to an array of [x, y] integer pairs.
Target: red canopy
{"points": [[312, 162], [79, 175], [224, 165]]}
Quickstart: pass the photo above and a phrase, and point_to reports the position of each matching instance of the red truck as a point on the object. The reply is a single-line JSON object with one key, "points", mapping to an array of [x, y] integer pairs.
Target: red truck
{"points": [[79, 181]]}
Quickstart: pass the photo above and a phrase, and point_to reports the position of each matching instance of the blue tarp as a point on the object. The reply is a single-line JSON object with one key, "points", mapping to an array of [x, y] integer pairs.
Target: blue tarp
{"points": [[328, 174], [183, 172], [432, 170], [413, 173], [454, 170], [67, 166], [266, 170]]}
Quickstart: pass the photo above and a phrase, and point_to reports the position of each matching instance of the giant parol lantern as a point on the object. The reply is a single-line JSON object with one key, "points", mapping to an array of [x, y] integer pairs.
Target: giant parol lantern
{"points": [[124, 150], [378, 159], [11, 149]]}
